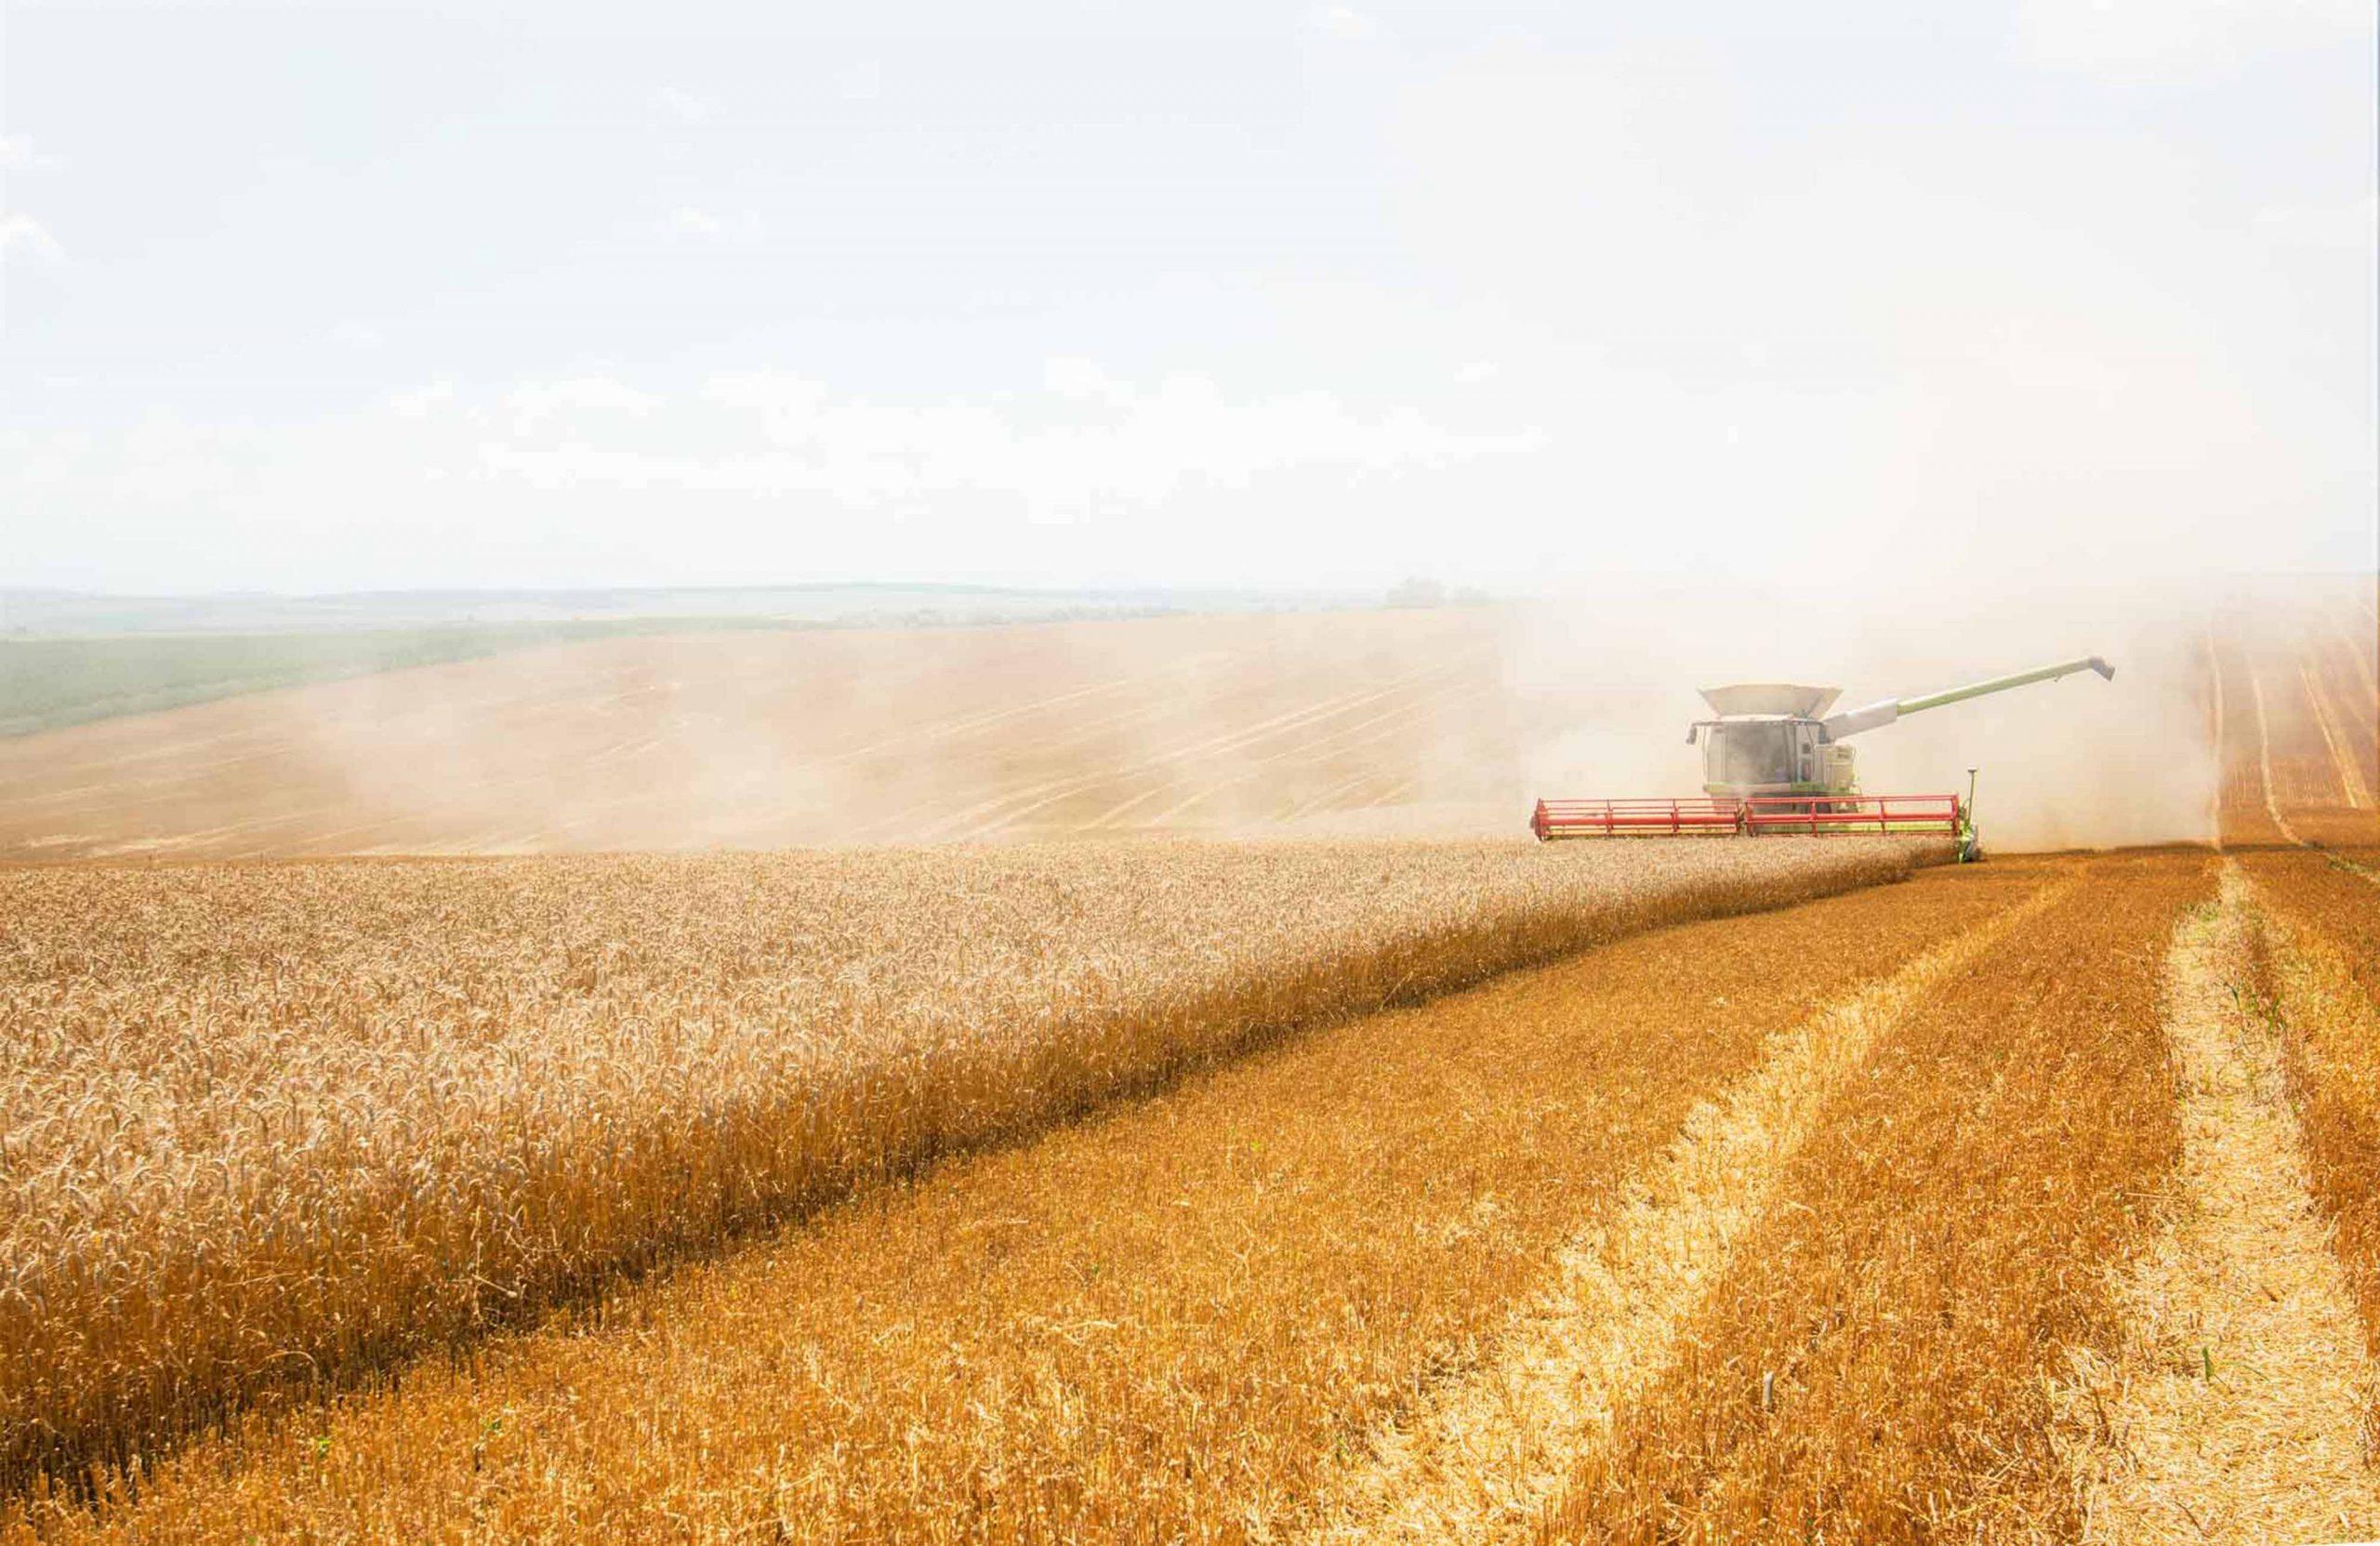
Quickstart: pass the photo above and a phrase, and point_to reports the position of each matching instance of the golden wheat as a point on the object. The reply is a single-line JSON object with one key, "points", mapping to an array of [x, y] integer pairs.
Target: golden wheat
{"points": [[1165, 1324], [268, 1128]]}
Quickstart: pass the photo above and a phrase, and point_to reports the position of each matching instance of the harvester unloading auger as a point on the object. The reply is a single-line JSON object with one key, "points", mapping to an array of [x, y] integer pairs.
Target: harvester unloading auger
{"points": [[1771, 763]]}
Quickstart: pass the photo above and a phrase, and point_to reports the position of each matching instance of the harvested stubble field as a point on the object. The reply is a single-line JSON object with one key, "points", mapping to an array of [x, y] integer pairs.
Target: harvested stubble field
{"points": [[758, 740], [1881, 1361], [2295, 706], [269, 1127], [2317, 958]]}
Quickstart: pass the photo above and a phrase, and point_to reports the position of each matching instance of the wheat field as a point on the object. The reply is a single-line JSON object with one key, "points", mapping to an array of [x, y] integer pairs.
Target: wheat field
{"points": [[1219, 1191], [276, 1126]]}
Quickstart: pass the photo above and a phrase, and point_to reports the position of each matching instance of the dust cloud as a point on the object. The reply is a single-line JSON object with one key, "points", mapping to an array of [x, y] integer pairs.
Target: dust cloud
{"points": [[1406, 723], [2075, 763]]}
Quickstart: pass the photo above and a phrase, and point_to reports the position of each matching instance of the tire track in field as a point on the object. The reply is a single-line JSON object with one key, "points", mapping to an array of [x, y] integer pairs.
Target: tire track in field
{"points": [[2354, 653], [1485, 1458], [2351, 777], [2264, 758], [2214, 739], [2234, 1412], [1009, 806]]}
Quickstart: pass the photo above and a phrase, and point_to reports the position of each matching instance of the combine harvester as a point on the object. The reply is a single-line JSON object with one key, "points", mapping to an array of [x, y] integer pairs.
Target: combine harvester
{"points": [[1771, 764]]}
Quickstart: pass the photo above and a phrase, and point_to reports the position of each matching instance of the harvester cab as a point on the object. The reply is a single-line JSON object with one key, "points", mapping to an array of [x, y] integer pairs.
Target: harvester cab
{"points": [[1774, 760]]}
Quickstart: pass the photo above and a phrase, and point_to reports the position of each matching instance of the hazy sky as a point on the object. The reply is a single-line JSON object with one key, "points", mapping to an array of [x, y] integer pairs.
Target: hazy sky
{"points": [[332, 297]]}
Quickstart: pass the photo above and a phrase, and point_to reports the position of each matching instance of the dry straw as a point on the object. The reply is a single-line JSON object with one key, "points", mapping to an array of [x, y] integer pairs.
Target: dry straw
{"points": [[2234, 1410], [1877, 1363], [2316, 966]]}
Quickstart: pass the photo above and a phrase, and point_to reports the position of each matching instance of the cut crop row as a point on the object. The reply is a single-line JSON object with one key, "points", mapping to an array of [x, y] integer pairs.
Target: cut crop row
{"points": [[2316, 964], [1878, 1364]]}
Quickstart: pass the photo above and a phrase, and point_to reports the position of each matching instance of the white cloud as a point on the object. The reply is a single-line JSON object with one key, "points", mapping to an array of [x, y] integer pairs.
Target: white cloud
{"points": [[2353, 223], [859, 82], [2063, 327], [21, 235], [1082, 380], [687, 223], [1090, 443], [1344, 21], [17, 154], [422, 401], [685, 106], [759, 470], [357, 334], [2133, 41], [1980, 362], [537, 403]]}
